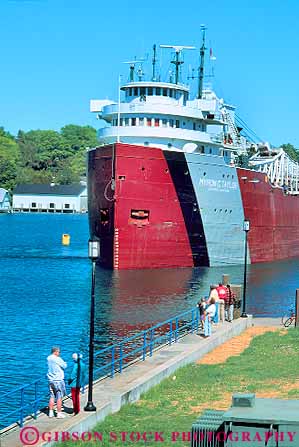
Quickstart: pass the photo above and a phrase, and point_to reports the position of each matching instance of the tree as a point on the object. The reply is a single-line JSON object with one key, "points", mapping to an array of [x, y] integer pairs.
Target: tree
{"points": [[79, 137], [9, 156], [291, 151]]}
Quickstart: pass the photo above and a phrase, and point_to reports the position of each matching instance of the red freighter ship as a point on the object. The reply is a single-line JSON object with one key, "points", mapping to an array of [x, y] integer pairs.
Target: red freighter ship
{"points": [[165, 189]]}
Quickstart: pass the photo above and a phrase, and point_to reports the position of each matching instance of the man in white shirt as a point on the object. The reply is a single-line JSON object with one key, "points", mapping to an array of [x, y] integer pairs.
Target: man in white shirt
{"points": [[210, 313], [56, 367]]}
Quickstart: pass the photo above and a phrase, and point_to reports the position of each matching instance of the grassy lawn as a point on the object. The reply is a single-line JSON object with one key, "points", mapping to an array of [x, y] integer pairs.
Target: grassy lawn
{"points": [[269, 367]]}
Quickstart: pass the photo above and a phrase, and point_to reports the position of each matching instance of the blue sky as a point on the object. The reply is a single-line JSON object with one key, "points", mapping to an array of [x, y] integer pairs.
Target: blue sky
{"points": [[58, 54]]}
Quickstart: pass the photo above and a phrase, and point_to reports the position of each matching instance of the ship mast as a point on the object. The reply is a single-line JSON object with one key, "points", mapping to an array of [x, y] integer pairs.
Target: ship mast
{"points": [[202, 63], [177, 61], [154, 63]]}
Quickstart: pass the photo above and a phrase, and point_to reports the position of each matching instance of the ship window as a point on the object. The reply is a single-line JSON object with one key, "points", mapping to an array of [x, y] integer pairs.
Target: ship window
{"points": [[164, 91], [150, 91], [177, 123], [158, 91], [157, 122], [148, 121], [33, 205], [135, 91], [133, 121], [194, 126], [130, 91], [177, 95], [169, 145], [210, 151], [164, 123], [171, 123], [146, 143], [66, 205], [141, 121], [52, 205], [170, 92], [142, 91], [126, 121]]}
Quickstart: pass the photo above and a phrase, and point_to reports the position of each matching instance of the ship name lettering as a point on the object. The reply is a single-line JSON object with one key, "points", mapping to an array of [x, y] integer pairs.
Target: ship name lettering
{"points": [[223, 185]]}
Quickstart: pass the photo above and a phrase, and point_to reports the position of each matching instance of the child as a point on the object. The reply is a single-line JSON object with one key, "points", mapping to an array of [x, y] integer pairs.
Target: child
{"points": [[209, 315], [202, 306]]}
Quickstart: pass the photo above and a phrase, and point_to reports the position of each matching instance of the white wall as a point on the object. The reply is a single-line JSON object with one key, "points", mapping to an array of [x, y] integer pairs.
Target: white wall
{"points": [[43, 201]]}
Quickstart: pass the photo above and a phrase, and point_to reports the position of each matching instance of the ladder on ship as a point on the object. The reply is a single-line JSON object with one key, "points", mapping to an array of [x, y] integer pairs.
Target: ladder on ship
{"points": [[279, 167], [232, 128]]}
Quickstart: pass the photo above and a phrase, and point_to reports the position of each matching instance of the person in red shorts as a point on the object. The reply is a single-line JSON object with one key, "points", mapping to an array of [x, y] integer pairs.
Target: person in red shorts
{"points": [[77, 380]]}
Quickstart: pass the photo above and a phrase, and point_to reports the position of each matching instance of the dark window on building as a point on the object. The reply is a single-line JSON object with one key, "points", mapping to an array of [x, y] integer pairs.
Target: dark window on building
{"points": [[150, 91], [158, 91], [133, 121], [170, 92], [135, 91], [164, 91], [33, 205], [142, 91], [157, 122], [67, 205], [52, 205], [177, 123], [130, 91]]}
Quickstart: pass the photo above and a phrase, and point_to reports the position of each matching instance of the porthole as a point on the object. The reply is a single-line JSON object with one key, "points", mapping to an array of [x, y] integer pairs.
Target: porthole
{"points": [[186, 173], [169, 145], [225, 211], [143, 168], [204, 173], [232, 176], [230, 211], [227, 176], [223, 175], [220, 210], [146, 143], [166, 170], [215, 210]]}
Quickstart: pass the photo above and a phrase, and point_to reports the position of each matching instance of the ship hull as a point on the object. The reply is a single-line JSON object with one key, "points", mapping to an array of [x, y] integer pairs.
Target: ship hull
{"points": [[153, 209]]}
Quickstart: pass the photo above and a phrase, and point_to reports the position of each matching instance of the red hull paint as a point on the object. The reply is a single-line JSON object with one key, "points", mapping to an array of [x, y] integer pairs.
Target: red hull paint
{"points": [[273, 216], [142, 182]]}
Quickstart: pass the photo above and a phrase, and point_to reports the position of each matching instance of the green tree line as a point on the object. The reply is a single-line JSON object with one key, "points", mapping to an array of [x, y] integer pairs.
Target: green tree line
{"points": [[45, 156]]}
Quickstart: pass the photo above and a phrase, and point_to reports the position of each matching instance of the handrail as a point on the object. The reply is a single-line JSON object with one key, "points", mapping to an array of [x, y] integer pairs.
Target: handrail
{"points": [[116, 358]]}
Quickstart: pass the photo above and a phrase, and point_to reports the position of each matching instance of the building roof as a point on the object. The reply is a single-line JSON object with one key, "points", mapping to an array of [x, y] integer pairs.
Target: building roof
{"points": [[74, 189], [3, 193]]}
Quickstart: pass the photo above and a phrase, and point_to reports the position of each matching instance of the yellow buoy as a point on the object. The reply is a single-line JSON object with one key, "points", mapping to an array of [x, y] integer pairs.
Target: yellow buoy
{"points": [[66, 239]]}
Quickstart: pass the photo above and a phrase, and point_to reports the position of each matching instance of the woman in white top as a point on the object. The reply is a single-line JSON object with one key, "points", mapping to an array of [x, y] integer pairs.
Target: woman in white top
{"points": [[210, 313]]}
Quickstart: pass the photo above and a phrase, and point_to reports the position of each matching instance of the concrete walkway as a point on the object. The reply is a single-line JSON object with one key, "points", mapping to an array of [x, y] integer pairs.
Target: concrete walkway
{"points": [[111, 394]]}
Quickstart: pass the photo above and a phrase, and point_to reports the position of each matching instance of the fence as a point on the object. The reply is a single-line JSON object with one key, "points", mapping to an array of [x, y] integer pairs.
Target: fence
{"points": [[108, 361]]}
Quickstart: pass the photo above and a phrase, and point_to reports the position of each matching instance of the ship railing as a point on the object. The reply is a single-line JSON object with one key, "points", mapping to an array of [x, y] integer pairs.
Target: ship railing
{"points": [[29, 400]]}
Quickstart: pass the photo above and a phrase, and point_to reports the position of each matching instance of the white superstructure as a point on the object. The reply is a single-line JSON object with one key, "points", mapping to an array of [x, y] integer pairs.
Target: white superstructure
{"points": [[163, 115]]}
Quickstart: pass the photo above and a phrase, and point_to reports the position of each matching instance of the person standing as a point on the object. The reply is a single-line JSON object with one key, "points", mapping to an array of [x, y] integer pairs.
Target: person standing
{"points": [[209, 315], [56, 367], [77, 380], [230, 304], [222, 294]]}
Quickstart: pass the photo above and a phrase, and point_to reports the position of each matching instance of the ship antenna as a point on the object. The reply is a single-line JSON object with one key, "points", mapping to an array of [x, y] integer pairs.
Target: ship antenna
{"points": [[177, 61], [132, 68], [154, 63], [202, 62]]}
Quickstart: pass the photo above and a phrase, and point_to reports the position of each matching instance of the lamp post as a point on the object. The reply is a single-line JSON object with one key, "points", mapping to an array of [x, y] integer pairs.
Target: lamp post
{"points": [[93, 254], [246, 227]]}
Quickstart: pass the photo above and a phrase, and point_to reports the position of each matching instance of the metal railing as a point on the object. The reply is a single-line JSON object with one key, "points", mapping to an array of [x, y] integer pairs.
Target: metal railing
{"points": [[108, 361]]}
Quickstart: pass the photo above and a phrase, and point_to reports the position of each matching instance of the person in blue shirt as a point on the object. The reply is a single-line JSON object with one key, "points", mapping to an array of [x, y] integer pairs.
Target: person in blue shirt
{"points": [[56, 367], [77, 380]]}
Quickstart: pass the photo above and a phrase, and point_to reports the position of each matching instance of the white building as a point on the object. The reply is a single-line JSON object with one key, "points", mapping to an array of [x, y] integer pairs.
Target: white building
{"points": [[50, 198], [4, 201]]}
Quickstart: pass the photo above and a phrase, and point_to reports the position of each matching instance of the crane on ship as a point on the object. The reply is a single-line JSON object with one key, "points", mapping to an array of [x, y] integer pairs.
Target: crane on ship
{"points": [[281, 170]]}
